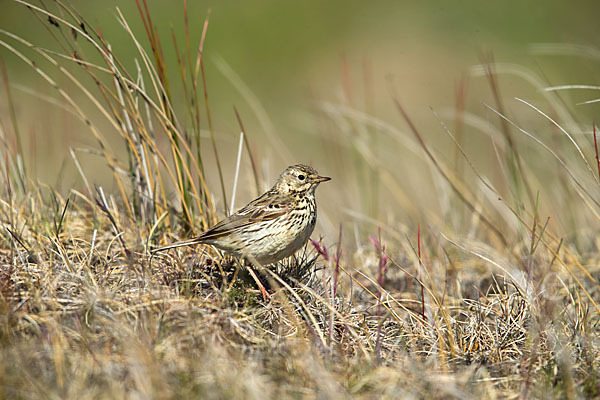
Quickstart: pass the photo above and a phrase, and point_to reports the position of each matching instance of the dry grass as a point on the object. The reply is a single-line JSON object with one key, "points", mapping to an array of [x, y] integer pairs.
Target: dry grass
{"points": [[503, 305]]}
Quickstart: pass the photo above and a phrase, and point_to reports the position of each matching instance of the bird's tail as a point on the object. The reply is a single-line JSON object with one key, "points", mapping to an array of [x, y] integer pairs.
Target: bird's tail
{"points": [[189, 242]]}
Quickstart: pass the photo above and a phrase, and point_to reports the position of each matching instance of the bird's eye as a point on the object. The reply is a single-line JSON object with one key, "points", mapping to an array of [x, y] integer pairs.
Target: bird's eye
{"points": [[301, 177]]}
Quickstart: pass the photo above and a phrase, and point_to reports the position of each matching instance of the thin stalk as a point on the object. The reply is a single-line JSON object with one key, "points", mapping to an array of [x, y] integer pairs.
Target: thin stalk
{"points": [[334, 283], [446, 176], [420, 267], [237, 172], [596, 148], [514, 160], [247, 144], [207, 105]]}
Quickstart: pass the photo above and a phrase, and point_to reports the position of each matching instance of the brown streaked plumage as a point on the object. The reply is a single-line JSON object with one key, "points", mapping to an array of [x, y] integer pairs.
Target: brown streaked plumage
{"points": [[273, 226]]}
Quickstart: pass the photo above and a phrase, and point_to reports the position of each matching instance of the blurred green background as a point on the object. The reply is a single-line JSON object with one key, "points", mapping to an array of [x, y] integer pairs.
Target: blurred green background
{"points": [[281, 62]]}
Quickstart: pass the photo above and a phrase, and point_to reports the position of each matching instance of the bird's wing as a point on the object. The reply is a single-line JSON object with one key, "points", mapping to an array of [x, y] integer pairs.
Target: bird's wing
{"points": [[265, 208]]}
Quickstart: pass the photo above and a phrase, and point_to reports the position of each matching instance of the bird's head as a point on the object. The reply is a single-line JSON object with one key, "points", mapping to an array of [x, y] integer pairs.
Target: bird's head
{"points": [[298, 179]]}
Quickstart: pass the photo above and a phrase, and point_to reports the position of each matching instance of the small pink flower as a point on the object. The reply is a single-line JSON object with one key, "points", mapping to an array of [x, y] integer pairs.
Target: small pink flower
{"points": [[321, 249]]}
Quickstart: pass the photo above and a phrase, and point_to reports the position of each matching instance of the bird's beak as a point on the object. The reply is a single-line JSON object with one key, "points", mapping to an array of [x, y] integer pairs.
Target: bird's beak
{"points": [[320, 179]]}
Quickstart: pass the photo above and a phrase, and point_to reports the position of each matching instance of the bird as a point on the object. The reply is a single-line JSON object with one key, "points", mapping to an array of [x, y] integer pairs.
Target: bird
{"points": [[271, 227]]}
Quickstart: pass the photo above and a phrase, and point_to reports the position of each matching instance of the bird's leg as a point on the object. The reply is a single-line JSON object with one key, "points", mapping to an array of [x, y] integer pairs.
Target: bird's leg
{"points": [[264, 292]]}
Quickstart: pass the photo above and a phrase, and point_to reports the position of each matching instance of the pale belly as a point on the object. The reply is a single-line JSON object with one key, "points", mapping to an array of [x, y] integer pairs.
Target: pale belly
{"points": [[271, 241]]}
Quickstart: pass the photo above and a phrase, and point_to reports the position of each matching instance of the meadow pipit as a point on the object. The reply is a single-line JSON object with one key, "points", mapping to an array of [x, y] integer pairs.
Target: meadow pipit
{"points": [[273, 226]]}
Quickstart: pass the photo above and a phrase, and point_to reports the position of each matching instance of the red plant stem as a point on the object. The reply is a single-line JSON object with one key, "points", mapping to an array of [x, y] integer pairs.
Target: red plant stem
{"points": [[596, 147], [335, 272], [380, 278], [420, 265]]}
